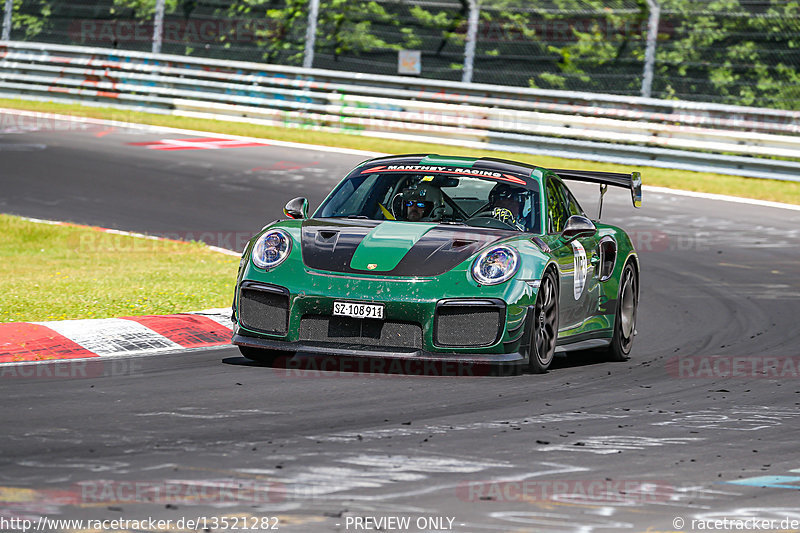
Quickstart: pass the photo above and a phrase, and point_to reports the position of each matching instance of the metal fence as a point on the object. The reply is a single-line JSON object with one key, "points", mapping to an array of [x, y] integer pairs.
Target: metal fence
{"points": [[630, 130], [739, 52]]}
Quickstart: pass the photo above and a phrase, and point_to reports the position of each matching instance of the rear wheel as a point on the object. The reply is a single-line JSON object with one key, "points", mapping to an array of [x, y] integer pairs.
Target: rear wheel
{"points": [[544, 326], [625, 321], [258, 354]]}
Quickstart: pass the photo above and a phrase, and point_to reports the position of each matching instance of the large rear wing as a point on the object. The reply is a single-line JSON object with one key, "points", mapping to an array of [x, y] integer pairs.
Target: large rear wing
{"points": [[632, 181]]}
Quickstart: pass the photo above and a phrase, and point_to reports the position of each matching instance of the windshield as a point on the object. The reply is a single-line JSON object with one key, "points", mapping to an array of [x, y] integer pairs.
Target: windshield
{"points": [[432, 198]]}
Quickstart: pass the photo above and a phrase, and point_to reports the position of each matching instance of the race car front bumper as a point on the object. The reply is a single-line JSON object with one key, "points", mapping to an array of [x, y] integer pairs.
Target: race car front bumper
{"points": [[362, 351]]}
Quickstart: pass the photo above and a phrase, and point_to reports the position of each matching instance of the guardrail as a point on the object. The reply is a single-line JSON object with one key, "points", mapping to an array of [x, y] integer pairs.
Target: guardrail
{"points": [[635, 131]]}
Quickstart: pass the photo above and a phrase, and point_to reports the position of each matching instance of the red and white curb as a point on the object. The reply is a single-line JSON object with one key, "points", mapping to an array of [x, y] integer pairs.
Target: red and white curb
{"points": [[24, 342], [108, 337]]}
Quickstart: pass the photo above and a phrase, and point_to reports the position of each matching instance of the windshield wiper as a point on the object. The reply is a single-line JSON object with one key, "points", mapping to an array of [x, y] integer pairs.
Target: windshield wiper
{"points": [[358, 216]]}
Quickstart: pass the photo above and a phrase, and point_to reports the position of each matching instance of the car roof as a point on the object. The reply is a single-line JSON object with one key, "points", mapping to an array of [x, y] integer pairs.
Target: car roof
{"points": [[513, 172]]}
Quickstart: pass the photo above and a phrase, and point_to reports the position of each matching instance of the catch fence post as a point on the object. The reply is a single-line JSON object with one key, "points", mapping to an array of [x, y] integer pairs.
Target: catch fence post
{"points": [[650, 51], [472, 37], [311, 33], [158, 26], [7, 11]]}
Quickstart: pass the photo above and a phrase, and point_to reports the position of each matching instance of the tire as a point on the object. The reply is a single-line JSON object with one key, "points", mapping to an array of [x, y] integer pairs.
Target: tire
{"points": [[258, 354], [625, 320], [544, 326]]}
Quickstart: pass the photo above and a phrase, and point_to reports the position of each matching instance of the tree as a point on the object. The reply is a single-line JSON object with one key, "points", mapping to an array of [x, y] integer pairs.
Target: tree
{"points": [[31, 16], [736, 53]]}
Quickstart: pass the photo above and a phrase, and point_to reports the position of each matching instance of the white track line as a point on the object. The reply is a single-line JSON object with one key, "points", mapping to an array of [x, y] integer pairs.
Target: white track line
{"points": [[721, 197], [125, 233], [194, 133], [349, 151]]}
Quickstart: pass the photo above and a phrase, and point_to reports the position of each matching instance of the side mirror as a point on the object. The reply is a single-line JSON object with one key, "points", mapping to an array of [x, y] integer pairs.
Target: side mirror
{"points": [[296, 208], [578, 226]]}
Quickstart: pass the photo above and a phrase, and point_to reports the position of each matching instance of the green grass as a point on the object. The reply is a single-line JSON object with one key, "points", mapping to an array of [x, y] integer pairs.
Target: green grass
{"points": [[779, 191], [66, 272], [52, 272]]}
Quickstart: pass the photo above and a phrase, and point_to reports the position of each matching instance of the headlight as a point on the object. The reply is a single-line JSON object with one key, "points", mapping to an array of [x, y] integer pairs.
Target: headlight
{"points": [[271, 249], [495, 265]]}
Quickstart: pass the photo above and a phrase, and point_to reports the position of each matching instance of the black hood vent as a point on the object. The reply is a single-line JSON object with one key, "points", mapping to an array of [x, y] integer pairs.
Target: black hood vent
{"points": [[329, 244]]}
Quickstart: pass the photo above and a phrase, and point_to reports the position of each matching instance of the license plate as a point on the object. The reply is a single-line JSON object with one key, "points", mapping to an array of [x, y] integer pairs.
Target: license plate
{"points": [[358, 310]]}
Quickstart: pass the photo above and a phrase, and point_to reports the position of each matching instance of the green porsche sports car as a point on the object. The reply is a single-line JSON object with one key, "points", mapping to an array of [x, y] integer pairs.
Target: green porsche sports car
{"points": [[438, 258]]}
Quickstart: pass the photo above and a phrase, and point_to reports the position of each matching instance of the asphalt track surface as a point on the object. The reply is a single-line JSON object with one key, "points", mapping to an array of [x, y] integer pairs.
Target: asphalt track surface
{"points": [[319, 449]]}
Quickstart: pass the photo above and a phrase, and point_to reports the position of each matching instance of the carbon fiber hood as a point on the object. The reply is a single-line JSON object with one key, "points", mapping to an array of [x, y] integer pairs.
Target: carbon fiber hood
{"points": [[390, 248]]}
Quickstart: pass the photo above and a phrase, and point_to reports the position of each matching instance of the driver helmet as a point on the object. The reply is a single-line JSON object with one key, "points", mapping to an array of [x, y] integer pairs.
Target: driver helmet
{"points": [[503, 196], [425, 196]]}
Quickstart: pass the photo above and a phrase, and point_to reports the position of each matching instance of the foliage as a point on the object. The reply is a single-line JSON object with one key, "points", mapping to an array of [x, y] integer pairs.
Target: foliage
{"points": [[143, 9], [31, 16], [733, 52], [743, 52], [446, 23], [343, 26]]}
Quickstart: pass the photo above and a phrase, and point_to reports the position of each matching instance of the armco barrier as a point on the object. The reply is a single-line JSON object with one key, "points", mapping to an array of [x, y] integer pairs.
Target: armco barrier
{"points": [[636, 131]]}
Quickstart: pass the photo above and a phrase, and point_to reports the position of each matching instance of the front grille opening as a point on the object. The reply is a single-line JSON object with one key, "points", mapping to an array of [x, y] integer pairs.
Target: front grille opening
{"points": [[467, 326], [346, 330], [265, 312]]}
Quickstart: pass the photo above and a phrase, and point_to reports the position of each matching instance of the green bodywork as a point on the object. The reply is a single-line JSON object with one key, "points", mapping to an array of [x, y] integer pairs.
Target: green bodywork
{"points": [[313, 291], [387, 244]]}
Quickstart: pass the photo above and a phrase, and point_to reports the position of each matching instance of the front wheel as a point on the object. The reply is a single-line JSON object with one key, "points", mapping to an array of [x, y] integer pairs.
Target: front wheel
{"points": [[625, 321], [544, 332]]}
